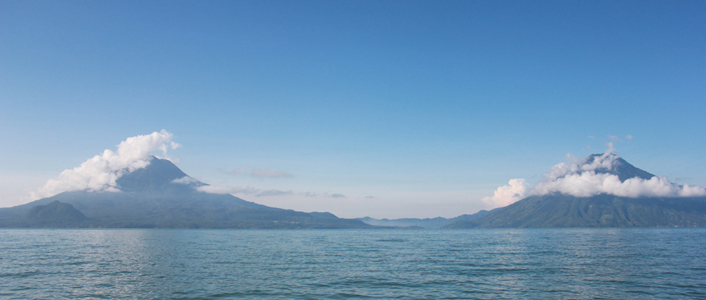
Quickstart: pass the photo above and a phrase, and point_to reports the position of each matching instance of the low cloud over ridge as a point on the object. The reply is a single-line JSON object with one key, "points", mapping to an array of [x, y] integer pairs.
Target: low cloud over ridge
{"points": [[589, 177], [101, 172]]}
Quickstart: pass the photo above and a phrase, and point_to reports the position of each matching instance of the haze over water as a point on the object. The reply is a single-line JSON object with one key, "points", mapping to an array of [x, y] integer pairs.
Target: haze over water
{"points": [[332, 264]]}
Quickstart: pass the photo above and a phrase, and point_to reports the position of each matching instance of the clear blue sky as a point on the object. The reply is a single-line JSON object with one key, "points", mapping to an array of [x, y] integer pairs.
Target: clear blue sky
{"points": [[407, 108]]}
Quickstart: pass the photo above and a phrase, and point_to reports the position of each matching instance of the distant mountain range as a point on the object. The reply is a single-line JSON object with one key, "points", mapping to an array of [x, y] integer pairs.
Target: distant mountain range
{"points": [[427, 223], [150, 198], [162, 196]]}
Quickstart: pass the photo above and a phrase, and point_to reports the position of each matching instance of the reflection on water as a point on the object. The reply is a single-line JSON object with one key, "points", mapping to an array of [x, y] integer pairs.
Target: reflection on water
{"points": [[322, 264]]}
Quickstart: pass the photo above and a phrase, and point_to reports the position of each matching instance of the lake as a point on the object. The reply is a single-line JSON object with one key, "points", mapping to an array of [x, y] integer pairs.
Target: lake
{"points": [[614, 263]]}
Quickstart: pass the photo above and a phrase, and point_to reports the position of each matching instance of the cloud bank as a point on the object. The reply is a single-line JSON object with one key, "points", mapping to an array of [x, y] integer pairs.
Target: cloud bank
{"points": [[100, 172], [590, 177], [587, 178]]}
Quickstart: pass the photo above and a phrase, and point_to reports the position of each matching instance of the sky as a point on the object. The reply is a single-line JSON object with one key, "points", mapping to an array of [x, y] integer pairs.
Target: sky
{"points": [[386, 109]]}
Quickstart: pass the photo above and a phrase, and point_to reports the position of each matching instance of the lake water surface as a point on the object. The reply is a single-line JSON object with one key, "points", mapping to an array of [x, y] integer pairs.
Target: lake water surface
{"points": [[632, 263]]}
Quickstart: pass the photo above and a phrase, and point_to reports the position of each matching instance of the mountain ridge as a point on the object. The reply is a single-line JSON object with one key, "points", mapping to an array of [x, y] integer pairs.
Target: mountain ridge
{"points": [[426, 223]]}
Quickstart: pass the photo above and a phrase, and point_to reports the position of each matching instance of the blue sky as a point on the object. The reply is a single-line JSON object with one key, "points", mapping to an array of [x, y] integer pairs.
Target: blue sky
{"points": [[406, 108]]}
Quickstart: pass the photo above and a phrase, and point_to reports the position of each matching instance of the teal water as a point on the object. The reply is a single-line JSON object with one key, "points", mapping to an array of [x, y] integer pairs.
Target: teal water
{"points": [[654, 263]]}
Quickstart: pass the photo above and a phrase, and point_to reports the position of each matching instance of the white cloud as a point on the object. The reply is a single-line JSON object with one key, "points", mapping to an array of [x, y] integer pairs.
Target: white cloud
{"points": [[629, 137], [691, 191], [100, 172], [590, 183], [507, 194]]}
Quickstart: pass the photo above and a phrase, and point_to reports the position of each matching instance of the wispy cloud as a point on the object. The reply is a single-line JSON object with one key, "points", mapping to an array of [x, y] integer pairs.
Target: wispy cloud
{"points": [[237, 171], [101, 172], [274, 193], [268, 173], [258, 172], [219, 189], [264, 193]]}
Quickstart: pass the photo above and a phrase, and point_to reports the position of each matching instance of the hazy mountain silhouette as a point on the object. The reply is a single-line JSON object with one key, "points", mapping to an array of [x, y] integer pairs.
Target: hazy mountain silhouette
{"points": [[427, 223], [150, 198]]}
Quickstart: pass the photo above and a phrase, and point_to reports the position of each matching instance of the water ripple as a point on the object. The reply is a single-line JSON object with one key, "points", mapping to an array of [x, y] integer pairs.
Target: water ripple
{"points": [[630, 263]]}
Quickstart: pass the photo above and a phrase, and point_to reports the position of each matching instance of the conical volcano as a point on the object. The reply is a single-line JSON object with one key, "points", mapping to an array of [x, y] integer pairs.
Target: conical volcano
{"points": [[161, 195], [588, 194]]}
